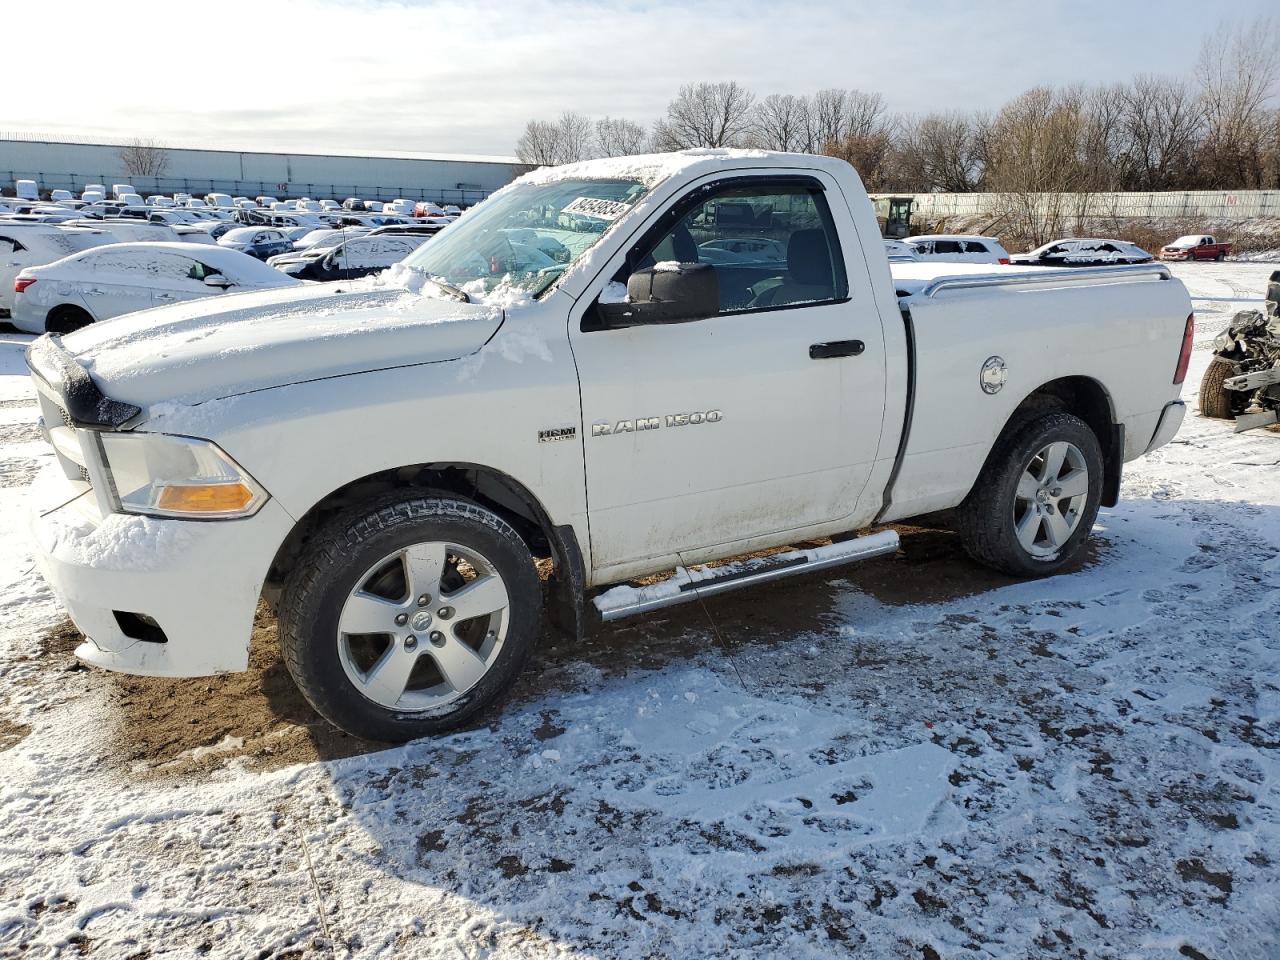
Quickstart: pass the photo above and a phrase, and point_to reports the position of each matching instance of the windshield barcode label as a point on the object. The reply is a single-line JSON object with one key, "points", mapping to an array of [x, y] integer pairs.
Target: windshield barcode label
{"points": [[597, 209]]}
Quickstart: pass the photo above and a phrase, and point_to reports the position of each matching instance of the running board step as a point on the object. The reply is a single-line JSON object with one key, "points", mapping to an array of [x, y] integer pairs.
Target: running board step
{"points": [[690, 584]]}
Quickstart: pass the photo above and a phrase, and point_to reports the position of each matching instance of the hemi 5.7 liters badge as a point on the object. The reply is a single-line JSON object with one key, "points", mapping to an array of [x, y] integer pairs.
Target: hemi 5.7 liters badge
{"points": [[557, 433], [655, 423]]}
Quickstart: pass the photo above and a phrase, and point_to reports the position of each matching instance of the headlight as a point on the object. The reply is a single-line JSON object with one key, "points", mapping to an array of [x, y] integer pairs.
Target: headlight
{"points": [[166, 476]]}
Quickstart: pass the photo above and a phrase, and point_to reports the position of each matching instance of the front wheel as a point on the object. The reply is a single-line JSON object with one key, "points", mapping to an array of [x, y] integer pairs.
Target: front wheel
{"points": [[407, 617], [1036, 499]]}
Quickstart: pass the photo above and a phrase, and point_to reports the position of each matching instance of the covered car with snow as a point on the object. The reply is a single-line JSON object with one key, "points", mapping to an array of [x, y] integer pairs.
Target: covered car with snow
{"points": [[119, 278], [1082, 253]]}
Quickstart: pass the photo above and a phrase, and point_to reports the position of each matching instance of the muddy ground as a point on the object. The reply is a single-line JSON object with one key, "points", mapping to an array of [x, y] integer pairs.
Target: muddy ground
{"points": [[169, 728]]}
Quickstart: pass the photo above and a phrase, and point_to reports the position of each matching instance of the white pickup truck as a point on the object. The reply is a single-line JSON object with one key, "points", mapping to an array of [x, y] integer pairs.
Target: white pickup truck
{"points": [[606, 370]]}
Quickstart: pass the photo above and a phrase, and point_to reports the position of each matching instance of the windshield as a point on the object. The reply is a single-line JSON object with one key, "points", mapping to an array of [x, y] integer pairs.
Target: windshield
{"points": [[1186, 242], [526, 236]]}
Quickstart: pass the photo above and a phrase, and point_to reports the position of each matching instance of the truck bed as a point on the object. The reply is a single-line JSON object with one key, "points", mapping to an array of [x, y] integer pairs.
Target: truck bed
{"points": [[1115, 326]]}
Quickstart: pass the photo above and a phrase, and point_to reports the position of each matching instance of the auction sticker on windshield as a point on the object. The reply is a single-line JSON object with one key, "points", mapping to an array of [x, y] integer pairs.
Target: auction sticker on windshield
{"points": [[596, 208]]}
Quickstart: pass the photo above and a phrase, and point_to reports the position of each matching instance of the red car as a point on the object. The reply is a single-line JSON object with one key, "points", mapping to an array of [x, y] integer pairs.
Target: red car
{"points": [[1195, 247]]}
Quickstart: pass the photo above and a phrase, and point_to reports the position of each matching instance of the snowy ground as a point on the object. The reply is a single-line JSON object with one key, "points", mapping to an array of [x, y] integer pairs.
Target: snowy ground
{"points": [[916, 759]]}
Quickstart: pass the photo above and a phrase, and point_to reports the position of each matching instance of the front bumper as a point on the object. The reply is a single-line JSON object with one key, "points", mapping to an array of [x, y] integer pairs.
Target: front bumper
{"points": [[199, 581]]}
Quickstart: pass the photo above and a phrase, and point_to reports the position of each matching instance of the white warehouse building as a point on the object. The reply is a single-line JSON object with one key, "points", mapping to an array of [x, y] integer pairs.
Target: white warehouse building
{"points": [[58, 164]]}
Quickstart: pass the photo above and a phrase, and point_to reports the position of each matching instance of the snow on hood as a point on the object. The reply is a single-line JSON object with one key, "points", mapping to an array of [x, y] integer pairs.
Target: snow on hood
{"points": [[224, 346]]}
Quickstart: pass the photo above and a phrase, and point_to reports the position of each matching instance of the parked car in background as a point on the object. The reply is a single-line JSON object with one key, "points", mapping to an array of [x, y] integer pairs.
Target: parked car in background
{"points": [[173, 216], [25, 245], [26, 190], [733, 250], [214, 228], [123, 277], [429, 229], [61, 195], [1195, 247], [256, 241], [132, 231], [350, 259], [897, 250], [1082, 253], [192, 233], [958, 248], [265, 201], [327, 237]]}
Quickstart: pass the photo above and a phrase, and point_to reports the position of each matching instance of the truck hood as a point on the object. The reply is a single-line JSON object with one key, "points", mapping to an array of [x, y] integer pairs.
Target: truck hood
{"points": [[224, 346]]}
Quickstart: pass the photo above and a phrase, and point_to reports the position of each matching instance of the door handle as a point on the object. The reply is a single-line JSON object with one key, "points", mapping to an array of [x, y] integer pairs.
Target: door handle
{"points": [[164, 296], [95, 292], [836, 348]]}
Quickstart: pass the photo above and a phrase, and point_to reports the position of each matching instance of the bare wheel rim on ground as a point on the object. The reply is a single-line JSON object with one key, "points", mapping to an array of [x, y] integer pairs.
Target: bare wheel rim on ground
{"points": [[422, 626], [1050, 499]]}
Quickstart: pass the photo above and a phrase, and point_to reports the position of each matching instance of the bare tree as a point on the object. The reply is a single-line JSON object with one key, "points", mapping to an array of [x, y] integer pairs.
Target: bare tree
{"points": [[620, 138], [706, 115], [781, 122], [1037, 163], [940, 151], [539, 145], [826, 116], [864, 113], [546, 143], [144, 158], [868, 153], [1237, 73], [1162, 125]]}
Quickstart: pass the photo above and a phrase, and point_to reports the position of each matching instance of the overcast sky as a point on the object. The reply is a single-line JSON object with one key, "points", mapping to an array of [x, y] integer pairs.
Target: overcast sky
{"points": [[463, 76]]}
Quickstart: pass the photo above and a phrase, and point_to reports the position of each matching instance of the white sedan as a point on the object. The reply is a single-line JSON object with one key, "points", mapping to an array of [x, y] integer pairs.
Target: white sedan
{"points": [[120, 278]]}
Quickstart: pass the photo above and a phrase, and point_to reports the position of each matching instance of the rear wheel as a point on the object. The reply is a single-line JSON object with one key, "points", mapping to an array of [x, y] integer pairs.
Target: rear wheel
{"points": [[1215, 399], [408, 617], [67, 318], [1036, 499]]}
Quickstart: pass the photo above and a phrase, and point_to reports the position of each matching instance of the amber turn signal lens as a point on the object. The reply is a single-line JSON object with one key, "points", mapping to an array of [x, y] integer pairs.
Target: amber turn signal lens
{"points": [[205, 497]]}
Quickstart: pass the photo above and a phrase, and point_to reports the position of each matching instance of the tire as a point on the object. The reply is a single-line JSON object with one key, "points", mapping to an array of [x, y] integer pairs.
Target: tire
{"points": [[67, 318], [371, 568], [1220, 257], [988, 519], [1215, 400]]}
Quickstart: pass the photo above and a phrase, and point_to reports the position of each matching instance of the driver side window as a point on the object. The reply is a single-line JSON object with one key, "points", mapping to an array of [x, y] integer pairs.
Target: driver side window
{"points": [[773, 244]]}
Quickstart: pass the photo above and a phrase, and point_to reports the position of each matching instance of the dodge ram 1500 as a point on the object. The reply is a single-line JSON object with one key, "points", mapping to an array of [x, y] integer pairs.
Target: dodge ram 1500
{"points": [[616, 368]]}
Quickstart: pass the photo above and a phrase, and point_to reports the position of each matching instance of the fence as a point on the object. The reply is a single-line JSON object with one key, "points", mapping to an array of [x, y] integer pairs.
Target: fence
{"points": [[243, 188], [1176, 205]]}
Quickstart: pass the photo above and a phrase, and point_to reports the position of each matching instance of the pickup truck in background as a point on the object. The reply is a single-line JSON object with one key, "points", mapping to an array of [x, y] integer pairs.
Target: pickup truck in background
{"points": [[588, 375], [1195, 247]]}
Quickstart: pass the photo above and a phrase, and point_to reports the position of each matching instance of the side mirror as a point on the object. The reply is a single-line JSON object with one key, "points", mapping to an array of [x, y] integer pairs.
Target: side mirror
{"points": [[217, 280], [667, 293]]}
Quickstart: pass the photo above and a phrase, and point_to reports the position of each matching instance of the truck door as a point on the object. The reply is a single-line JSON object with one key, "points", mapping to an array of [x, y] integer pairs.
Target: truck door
{"points": [[762, 418]]}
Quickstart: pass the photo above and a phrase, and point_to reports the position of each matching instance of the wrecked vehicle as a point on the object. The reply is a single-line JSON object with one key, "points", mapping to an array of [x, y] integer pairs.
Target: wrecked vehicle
{"points": [[1242, 381], [412, 470]]}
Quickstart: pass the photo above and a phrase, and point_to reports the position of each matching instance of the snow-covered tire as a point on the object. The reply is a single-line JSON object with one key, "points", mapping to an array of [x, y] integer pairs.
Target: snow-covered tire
{"points": [[992, 524], [368, 569], [1215, 399]]}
